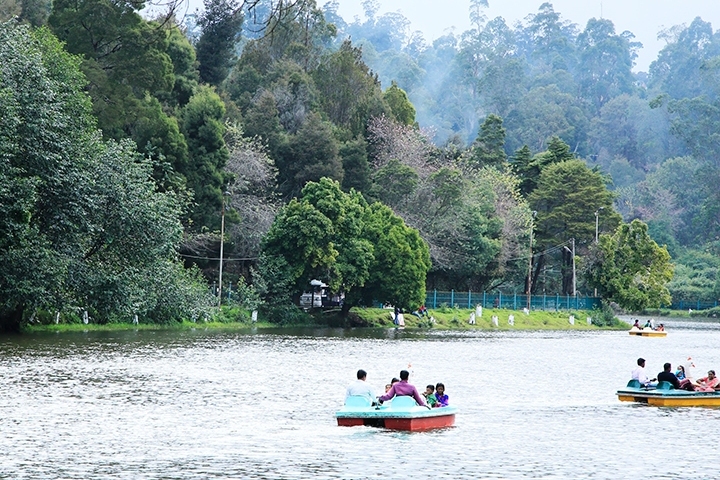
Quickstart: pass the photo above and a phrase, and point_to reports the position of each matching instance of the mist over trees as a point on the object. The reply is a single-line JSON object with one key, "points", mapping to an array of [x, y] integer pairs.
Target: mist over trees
{"points": [[359, 152]]}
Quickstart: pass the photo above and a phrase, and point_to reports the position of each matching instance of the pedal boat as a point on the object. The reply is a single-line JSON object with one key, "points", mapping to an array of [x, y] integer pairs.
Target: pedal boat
{"points": [[402, 413], [647, 332], [664, 395]]}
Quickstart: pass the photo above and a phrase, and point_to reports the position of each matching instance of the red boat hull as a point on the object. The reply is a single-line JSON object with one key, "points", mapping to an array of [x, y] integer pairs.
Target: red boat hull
{"points": [[408, 424]]}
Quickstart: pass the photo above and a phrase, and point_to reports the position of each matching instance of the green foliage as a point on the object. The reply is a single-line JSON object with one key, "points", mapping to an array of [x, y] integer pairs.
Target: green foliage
{"points": [[631, 269], [697, 276], [84, 226], [489, 147], [400, 106], [221, 23], [363, 251], [203, 127]]}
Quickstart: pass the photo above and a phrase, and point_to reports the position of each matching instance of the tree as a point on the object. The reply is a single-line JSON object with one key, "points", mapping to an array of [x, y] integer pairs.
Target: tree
{"points": [[203, 127], [221, 23], [400, 106], [631, 269], [489, 147], [566, 199], [84, 225], [364, 251]]}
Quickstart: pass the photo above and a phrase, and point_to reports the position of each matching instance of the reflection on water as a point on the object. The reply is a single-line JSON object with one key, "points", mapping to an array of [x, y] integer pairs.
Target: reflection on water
{"points": [[260, 404]]}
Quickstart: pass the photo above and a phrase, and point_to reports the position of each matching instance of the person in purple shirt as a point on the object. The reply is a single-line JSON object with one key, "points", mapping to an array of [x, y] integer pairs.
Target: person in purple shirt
{"points": [[403, 388]]}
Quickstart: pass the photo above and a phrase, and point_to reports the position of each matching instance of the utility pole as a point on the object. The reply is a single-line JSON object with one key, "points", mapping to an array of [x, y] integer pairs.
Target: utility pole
{"points": [[529, 280], [222, 242], [572, 252], [597, 223], [574, 277]]}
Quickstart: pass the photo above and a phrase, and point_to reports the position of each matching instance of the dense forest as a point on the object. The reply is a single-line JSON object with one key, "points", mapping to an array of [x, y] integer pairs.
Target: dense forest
{"points": [[137, 143]]}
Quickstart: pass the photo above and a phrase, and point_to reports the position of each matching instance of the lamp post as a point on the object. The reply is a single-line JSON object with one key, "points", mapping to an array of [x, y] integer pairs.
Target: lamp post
{"points": [[222, 243], [572, 252], [597, 217], [529, 280]]}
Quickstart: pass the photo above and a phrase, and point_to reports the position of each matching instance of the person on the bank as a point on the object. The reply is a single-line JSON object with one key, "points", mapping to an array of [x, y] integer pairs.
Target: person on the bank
{"points": [[403, 388]]}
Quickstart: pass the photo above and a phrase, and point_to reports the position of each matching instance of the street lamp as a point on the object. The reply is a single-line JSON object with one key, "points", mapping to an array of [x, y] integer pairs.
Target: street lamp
{"points": [[597, 217], [222, 242], [529, 280]]}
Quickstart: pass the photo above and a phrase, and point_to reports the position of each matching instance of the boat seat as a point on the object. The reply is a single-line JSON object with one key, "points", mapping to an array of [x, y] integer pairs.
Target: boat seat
{"points": [[403, 401], [634, 384], [357, 401], [664, 386]]}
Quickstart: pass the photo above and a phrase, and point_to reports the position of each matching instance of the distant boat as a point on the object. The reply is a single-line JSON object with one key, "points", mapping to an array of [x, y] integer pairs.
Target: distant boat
{"points": [[402, 413], [666, 396], [646, 332]]}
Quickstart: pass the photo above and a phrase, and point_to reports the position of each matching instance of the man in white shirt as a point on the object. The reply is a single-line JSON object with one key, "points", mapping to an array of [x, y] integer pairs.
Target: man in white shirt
{"points": [[640, 375], [361, 388]]}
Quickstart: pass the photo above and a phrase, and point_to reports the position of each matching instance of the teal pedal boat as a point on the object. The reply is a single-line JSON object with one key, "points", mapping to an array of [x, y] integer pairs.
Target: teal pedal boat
{"points": [[402, 413]]}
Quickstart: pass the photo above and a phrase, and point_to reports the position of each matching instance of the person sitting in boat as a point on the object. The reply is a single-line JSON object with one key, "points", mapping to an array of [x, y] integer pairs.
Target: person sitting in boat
{"points": [[640, 375], [647, 325], [360, 388], [680, 372], [667, 376], [441, 396], [707, 384], [660, 328], [430, 395], [403, 388], [636, 324]]}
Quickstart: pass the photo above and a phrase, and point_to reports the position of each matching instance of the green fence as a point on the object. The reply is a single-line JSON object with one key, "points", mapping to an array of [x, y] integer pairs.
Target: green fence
{"points": [[512, 301]]}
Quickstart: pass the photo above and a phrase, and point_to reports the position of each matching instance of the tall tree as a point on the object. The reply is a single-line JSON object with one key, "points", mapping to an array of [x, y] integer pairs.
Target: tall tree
{"points": [[566, 199], [489, 147], [221, 24]]}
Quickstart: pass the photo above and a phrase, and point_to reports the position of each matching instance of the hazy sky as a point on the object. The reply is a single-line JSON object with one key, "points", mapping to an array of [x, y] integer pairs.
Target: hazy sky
{"points": [[644, 18]]}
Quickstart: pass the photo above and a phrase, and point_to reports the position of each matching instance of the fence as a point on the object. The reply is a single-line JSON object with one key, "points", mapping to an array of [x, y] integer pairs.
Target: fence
{"points": [[694, 304], [511, 301]]}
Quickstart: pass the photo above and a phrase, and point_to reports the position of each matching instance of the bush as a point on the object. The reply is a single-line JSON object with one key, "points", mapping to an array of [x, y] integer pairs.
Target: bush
{"points": [[605, 316]]}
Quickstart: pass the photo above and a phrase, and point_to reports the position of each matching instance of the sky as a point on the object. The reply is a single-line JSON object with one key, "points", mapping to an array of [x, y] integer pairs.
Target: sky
{"points": [[644, 18]]}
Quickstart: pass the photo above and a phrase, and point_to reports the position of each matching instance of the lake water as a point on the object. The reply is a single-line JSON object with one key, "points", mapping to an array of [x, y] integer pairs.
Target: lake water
{"points": [[259, 404]]}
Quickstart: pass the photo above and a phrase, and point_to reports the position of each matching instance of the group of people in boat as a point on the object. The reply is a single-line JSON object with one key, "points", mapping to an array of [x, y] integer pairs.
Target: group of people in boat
{"points": [[434, 396], [681, 379], [649, 325]]}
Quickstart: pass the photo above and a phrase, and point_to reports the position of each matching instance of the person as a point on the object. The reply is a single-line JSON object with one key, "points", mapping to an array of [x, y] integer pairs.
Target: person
{"points": [[648, 325], [397, 314], [636, 324], [661, 328], [667, 376], [423, 311], [680, 372], [360, 388], [441, 396], [388, 387], [640, 375], [707, 384], [403, 388], [430, 395]]}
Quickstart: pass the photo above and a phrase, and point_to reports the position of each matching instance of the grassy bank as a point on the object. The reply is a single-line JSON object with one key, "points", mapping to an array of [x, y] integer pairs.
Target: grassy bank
{"points": [[444, 318], [452, 318]]}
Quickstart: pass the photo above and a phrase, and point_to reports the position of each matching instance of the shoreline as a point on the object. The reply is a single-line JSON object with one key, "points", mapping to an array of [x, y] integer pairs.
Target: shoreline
{"points": [[444, 319]]}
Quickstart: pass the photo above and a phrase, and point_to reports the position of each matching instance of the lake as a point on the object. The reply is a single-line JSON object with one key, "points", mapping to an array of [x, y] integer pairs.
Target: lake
{"points": [[259, 405]]}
